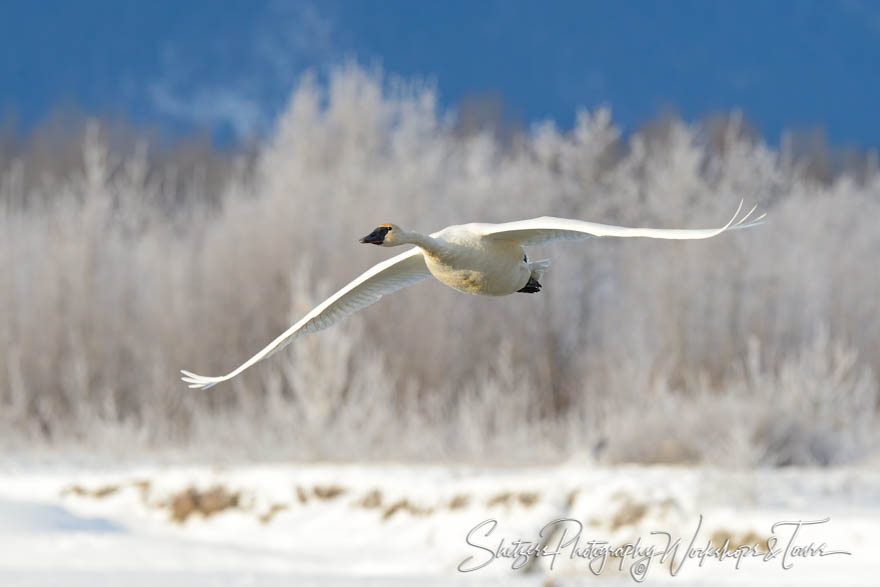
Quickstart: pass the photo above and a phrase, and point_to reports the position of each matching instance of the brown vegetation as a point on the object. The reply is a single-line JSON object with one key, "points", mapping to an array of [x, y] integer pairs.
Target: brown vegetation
{"points": [[528, 498], [460, 501], [371, 500], [404, 505], [500, 499], [272, 511], [301, 495], [327, 492], [208, 502], [98, 492], [629, 513]]}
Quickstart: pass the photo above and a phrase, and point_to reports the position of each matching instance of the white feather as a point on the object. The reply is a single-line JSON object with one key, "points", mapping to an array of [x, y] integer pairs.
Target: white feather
{"points": [[538, 231], [386, 277]]}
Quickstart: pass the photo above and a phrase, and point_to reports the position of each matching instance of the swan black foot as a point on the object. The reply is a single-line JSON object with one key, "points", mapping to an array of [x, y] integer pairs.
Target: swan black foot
{"points": [[531, 287]]}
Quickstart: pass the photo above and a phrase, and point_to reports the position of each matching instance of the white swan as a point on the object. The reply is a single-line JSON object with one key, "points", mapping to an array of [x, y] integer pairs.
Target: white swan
{"points": [[483, 259]]}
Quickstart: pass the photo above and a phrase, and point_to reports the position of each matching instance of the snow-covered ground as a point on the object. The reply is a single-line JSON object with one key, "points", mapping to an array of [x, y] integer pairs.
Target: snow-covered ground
{"points": [[293, 524]]}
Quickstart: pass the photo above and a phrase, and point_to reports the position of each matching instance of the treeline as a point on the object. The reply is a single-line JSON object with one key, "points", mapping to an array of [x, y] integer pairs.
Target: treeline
{"points": [[123, 260]]}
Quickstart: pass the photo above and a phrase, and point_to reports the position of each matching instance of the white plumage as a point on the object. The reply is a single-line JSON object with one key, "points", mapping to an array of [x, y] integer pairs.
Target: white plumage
{"points": [[477, 258]]}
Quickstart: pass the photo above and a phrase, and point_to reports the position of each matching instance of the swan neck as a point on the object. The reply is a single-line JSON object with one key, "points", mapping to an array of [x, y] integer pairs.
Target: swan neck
{"points": [[423, 241]]}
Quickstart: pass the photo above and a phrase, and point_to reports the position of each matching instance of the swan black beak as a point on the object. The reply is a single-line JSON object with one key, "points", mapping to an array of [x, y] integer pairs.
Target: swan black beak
{"points": [[377, 237]]}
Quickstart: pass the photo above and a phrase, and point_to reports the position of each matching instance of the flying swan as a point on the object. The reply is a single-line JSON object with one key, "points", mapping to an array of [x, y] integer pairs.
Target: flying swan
{"points": [[476, 258]]}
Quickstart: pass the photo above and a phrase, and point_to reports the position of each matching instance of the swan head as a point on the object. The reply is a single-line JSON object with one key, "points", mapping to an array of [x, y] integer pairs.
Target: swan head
{"points": [[385, 235]]}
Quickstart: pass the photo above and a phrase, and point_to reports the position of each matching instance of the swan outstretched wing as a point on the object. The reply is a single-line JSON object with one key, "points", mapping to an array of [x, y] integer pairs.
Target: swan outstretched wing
{"points": [[386, 277], [541, 230]]}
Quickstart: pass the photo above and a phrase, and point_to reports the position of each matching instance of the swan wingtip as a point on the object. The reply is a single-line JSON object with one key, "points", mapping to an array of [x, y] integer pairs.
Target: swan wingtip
{"points": [[195, 381]]}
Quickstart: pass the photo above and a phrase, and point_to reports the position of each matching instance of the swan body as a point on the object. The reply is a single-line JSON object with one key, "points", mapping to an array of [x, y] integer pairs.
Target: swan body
{"points": [[464, 260], [477, 258]]}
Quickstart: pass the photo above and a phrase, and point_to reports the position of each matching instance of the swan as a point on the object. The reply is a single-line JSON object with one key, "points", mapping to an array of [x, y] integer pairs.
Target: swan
{"points": [[477, 258]]}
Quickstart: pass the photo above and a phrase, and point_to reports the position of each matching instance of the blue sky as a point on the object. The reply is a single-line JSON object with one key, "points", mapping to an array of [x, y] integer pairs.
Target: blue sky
{"points": [[228, 67]]}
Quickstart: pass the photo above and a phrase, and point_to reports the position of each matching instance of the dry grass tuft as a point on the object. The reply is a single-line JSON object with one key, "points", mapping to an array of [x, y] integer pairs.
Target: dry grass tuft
{"points": [[500, 499], [143, 486], [528, 498], [273, 511], [328, 492], [193, 501], [395, 507], [509, 498], [460, 501], [98, 492], [630, 513], [371, 500], [403, 505], [301, 495]]}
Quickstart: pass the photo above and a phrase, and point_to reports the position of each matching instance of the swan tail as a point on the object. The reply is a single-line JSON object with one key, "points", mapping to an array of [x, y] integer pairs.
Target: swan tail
{"points": [[538, 268]]}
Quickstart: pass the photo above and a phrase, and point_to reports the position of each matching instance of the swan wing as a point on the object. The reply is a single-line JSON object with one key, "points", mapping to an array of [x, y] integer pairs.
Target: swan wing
{"points": [[384, 278], [541, 230]]}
